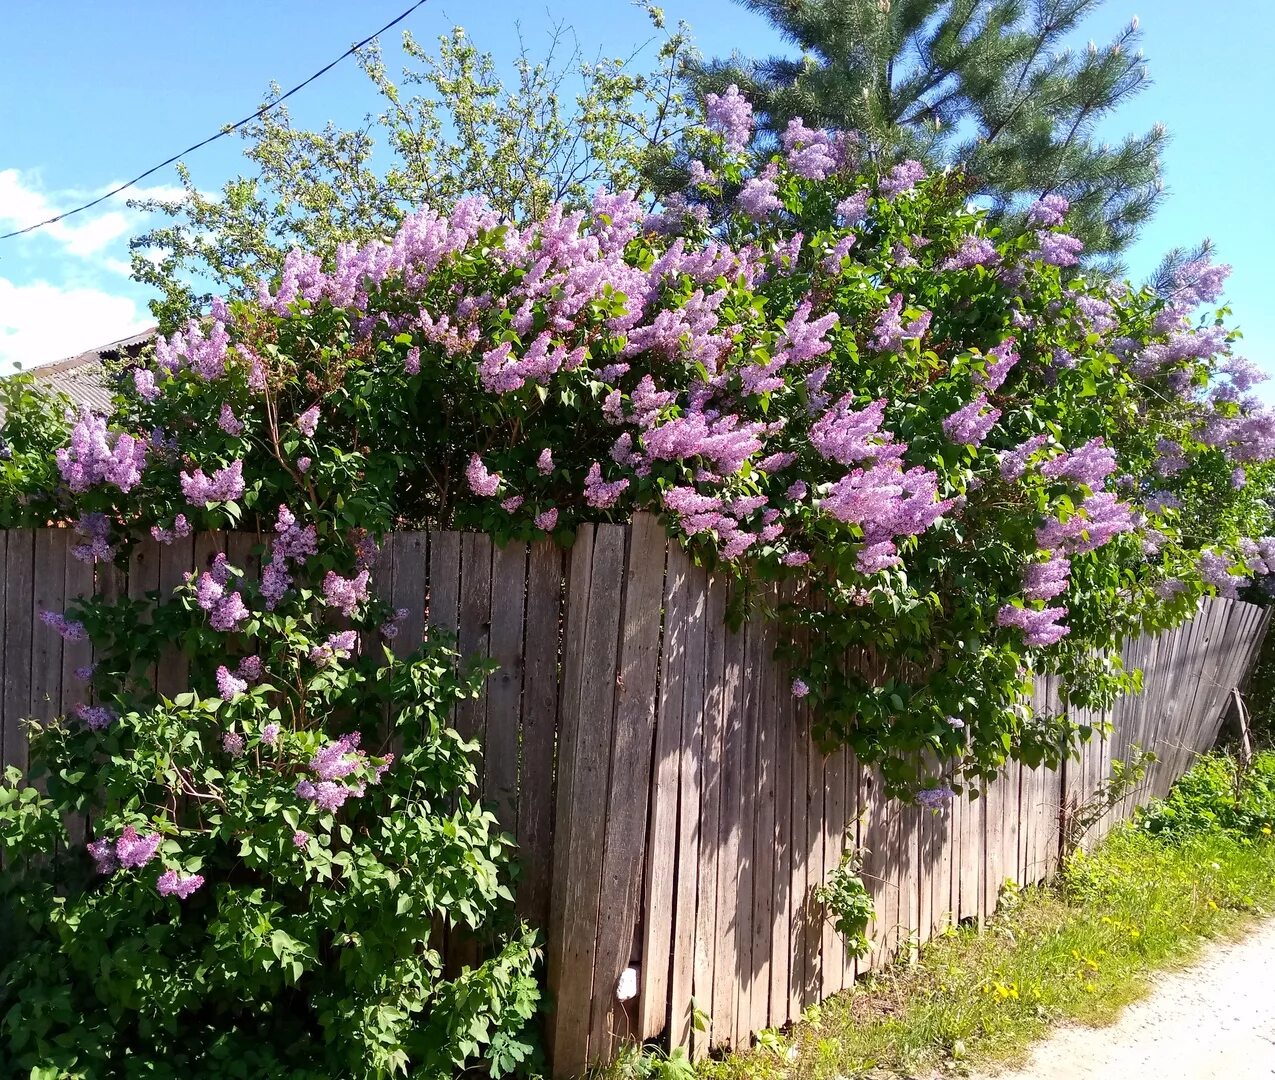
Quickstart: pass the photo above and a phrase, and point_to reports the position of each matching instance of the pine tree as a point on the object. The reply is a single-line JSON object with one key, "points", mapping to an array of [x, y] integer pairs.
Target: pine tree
{"points": [[989, 85]]}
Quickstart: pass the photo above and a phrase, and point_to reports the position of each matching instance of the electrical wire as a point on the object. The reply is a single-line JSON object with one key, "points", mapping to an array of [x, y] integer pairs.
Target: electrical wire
{"points": [[221, 134]]}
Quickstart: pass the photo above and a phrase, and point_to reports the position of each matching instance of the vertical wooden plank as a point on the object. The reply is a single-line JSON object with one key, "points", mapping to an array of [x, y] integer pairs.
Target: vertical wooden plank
{"points": [[635, 697], [504, 687], [690, 786], [800, 906], [143, 578], [833, 958], [729, 871], [707, 912], [588, 719], [745, 973], [813, 811], [780, 702], [972, 860], [444, 581], [539, 729], [50, 557], [475, 627], [176, 560], [568, 1034], [76, 655], [409, 557], [764, 840], [664, 858]]}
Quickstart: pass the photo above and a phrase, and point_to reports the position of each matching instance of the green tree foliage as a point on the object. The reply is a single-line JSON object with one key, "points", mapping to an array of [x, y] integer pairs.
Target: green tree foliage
{"points": [[454, 127], [991, 85]]}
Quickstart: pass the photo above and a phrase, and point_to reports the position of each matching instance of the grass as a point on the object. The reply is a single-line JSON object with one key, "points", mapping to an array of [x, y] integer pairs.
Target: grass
{"points": [[1078, 950]]}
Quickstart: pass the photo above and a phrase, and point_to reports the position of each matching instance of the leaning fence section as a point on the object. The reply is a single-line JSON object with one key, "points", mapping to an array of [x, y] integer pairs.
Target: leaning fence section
{"points": [[672, 813]]}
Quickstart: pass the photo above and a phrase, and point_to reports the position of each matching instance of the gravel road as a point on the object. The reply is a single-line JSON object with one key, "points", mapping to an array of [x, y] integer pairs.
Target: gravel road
{"points": [[1214, 1020]]}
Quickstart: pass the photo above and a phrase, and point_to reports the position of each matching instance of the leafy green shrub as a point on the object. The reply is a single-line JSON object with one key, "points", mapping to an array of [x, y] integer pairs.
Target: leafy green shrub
{"points": [[1205, 800], [847, 902], [241, 915], [35, 424]]}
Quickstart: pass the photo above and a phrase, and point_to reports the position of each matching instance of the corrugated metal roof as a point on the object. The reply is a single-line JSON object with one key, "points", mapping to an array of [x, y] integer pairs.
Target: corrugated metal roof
{"points": [[83, 378]]}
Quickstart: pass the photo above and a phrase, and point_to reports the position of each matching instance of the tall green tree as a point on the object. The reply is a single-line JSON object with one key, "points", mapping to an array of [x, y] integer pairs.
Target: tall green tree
{"points": [[991, 85]]}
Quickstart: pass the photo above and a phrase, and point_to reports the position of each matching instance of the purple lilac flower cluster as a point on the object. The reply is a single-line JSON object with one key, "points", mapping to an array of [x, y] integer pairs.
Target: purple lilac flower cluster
{"points": [[226, 608], [96, 456], [225, 484], [131, 850], [341, 771]]}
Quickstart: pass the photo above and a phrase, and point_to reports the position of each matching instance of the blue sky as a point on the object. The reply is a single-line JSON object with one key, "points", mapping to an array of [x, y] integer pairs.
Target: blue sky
{"points": [[91, 94]]}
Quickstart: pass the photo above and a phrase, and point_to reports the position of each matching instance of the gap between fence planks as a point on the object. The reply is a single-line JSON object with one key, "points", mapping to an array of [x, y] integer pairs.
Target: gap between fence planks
{"points": [[671, 810]]}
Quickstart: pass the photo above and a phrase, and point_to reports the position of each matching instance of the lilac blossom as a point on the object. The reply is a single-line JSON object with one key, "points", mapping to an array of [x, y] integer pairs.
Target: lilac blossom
{"points": [[225, 484], [1013, 463], [481, 482], [1039, 627], [889, 333], [969, 425], [1057, 249], [1170, 589], [1215, 570], [799, 688], [1161, 502], [270, 734], [903, 177], [68, 629], [229, 686], [233, 743], [134, 850], [810, 154], [758, 198], [1090, 465], [95, 717], [974, 251], [600, 494], [171, 883], [96, 529], [144, 384], [95, 456], [935, 798], [546, 520], [853, 208], [1002, 360], [1171, 457], [1048, 211], [731, 116], [338, 646], [308, 421], [345, 594], [1100, 518], [1045, 580], [848, 436], [300, 838], [544, 463], [181, 528], [229, 422]]}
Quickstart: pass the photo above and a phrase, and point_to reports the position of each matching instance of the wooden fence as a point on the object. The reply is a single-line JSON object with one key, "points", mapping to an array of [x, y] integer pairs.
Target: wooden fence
{"points": [[671, 812]]}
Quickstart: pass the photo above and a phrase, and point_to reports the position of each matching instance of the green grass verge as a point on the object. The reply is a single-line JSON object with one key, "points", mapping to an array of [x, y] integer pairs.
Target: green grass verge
{"points": [[1147, 898]]}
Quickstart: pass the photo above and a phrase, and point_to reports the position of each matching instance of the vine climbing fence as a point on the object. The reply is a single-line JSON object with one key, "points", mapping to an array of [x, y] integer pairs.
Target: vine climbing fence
{"points": [[671, 812]]}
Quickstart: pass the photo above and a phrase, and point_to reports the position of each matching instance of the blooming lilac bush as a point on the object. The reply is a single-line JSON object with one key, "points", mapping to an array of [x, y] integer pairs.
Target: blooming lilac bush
{"points": [[977, 464], [271, 853]]}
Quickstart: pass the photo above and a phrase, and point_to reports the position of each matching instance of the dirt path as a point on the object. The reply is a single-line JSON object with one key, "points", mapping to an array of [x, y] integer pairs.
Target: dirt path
{"points": [[1212, 1021]]}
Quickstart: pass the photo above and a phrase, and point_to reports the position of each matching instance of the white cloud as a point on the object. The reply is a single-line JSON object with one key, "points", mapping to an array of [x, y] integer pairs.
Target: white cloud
{"points": [[87, 235], [40, 322]]}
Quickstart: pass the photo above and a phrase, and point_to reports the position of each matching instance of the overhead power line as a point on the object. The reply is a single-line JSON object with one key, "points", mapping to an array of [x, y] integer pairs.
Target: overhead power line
{"points": [[221, 134]]}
